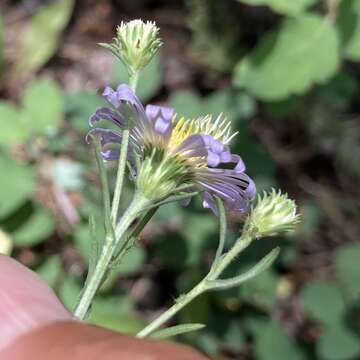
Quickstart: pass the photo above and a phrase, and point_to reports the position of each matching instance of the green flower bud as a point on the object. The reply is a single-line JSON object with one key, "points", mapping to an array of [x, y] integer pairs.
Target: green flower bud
{"points": [[273, 214], [135, 44]]}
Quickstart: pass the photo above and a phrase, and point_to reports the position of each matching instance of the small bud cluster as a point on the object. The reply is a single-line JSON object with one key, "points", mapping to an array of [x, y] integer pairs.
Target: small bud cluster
{"points": [[135, 44], [273, 214]]}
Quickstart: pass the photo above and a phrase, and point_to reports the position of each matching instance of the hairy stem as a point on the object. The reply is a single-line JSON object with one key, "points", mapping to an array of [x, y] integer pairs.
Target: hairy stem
{"points": [[133, 80], [180, 303], [106, 256]]}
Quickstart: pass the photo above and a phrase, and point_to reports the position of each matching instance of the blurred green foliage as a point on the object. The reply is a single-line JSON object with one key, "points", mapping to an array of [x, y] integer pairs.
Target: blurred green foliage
{"points": [[287, 75]]}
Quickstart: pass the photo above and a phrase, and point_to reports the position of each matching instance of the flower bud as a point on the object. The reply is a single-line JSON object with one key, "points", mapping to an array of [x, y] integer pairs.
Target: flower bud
{"points": [[135, 44], [273, 214]]}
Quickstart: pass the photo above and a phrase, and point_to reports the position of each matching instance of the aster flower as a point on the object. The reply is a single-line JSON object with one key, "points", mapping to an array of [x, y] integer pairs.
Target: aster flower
{"points": [[174, 152]]}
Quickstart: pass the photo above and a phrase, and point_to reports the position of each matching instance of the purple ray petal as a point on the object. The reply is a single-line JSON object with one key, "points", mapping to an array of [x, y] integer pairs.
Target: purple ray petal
{"points": [[105, 113]]}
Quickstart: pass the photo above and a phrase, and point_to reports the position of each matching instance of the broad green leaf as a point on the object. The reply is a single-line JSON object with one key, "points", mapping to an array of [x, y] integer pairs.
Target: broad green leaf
{"points": [[323, 302], [196, 240], [261, 291], [176, 330], [150, 78], [41, 36], [115, 314], [43, 106], [38, 226], [50, 270], [16, 187], [285, 7], [347, 260], [69, 292], [6, 243], [272, 343], [349, 25], [304, 52], [234, 337], [12, 126], [132, 262], [187, 103], [338, 343]]}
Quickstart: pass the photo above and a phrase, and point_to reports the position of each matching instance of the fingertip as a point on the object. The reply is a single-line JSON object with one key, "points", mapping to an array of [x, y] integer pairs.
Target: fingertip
{"points": [[26, 302]]}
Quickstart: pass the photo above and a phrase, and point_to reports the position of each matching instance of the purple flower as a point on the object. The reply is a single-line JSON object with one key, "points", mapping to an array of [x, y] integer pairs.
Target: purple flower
{"points": [[174, 151]]}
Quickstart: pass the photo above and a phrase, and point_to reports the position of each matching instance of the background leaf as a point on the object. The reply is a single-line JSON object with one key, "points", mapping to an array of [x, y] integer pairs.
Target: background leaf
{"points": [[12, 125], [41, 37], [323, 302], [43, 106], [16, 187], [285, 7], [338, 343], [38, 225], [279, 66]]}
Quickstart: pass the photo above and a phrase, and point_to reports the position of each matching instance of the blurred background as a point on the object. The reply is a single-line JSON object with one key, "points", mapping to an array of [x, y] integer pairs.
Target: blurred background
{"points": [[286, 73]]}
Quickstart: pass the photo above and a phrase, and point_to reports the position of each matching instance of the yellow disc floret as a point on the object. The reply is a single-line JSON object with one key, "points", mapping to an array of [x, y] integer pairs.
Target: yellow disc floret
{"points": [[220, 129]]}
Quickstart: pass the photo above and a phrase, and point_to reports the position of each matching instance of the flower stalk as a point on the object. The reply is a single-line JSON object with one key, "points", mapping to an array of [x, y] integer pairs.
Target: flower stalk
{"points": [[107, 254]]}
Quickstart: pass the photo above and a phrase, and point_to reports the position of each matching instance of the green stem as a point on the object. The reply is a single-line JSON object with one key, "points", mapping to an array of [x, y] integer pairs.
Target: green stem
{"points": [[106, 256], [200, 288], [120, 175], [181, 302], [133, 80], [227, 258]]}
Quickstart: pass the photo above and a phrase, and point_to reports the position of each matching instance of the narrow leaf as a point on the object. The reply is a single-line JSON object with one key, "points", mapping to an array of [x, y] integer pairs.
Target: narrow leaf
{"points": [[222, 230], [176, 330], [105, 190], [94, 253], [261, 266]]}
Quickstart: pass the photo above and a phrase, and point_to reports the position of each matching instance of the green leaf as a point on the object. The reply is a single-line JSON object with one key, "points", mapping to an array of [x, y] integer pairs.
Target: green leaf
{"points": [[338, 343], [42, 35], [50, 270], [349, 25], [43, 106], [234, 337], [304, 52], [38, 226], [272, 343], [323, 302], [132, 262], [196, 240], [261, 292], [12, 126], [115, 314], [187, 104], [347, 260], [16, 187], [69, 292], [261, 266], [149, 81], [285, 7], [176, 330]]}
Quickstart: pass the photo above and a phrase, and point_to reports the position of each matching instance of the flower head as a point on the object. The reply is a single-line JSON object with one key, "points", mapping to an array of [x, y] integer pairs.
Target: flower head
{"points": [[135, 43], [273, 214], [175, 151]]}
